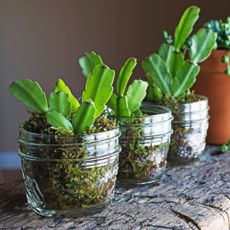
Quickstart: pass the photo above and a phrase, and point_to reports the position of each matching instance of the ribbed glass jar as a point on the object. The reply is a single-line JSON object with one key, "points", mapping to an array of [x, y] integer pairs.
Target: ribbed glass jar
{"points": [[145, 142], [190, 126], [69, 175]]}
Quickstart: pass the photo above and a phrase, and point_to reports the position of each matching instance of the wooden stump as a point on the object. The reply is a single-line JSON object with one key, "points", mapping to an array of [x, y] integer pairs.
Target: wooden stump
{"points": [[191, 197]]}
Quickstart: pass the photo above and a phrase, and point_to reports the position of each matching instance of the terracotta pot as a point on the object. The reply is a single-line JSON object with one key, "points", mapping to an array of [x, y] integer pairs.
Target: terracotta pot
{"points": [[213, 83]]}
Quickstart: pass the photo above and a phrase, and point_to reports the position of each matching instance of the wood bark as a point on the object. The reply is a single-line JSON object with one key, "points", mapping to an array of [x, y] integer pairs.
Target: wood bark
{"points": [[194, 197]]}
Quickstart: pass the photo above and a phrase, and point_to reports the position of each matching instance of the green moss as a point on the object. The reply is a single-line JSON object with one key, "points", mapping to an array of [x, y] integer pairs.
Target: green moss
{"points": [[138, 161], [68, 181], [67, 185], [37, 123]]}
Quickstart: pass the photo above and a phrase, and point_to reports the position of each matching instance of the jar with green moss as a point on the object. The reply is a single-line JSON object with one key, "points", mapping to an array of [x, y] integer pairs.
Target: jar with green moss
{"points": [[69, 175], [145, 141], [190, 127]]}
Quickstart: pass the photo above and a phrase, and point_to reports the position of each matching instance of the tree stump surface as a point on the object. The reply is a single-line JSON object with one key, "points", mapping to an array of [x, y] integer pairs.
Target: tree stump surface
{"points": [[193, 197]]}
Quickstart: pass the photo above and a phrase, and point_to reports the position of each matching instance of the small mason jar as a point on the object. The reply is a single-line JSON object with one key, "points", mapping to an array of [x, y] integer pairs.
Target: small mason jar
{"points": [[69, 175], [190, 126], [145, 142]]}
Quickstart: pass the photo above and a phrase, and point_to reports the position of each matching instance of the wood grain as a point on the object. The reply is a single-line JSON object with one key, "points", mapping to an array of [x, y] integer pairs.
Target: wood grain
{"points": [[194, 197]]}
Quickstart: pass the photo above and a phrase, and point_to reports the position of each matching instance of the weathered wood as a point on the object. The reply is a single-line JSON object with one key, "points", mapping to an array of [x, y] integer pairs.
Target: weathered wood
{"points": [[193, 197]]}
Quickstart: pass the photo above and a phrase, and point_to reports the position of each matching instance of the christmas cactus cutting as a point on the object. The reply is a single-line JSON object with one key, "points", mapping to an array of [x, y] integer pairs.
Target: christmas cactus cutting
{"points": [[171, 72], [144, 144], [63, 174]]}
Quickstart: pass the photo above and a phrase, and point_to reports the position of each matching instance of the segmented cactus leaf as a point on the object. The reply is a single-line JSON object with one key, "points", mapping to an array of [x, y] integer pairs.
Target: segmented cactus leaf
{"points": [[89, 61], [203, 42], [185, 77], [112, 102], [60, 102], [84, 117], [57, 120], [30, 94], [136, 94], [156, 68], [122, 107], [61, 86], [124, 75], [99, 87], [176, 60], [165, 53], [185, 26]]}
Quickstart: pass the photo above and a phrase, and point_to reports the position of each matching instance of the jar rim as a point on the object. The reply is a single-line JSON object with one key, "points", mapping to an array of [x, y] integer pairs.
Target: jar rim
{"points": [[195, 106], [65, 136], [162, 110], [201, 98], [189, 107], [37, 138]]}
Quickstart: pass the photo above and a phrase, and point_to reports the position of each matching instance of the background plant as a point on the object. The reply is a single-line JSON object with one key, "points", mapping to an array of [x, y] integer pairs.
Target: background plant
{"points": [[173, 70], [222, 28], [127, 100], [226, 147], [62, 110]]}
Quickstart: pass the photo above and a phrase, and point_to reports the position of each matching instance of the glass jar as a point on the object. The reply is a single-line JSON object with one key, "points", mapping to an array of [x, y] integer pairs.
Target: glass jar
{"points": [[190, 126], [69, 175], [145, 142]]}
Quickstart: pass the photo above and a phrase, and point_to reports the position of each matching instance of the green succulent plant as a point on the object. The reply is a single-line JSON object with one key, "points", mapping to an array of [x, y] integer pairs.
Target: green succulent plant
{"points": [[127, 100], [222, 28], [226, 147], [62, 110], [172, 71]]}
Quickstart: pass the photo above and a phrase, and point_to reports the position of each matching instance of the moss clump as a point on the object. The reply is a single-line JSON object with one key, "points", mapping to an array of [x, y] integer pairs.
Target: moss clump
{"points": [[66, 184], [37, 123], [102, 124]]}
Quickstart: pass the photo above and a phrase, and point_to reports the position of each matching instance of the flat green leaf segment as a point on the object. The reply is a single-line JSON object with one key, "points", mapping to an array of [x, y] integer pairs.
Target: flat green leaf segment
{"points": [[30, 94], [62, 87], [136, 94], [122, 107], [127, 101], [165, 52], [202, 44], [85, 117], [99, 87], [168, 72], [185, 77], [57, 120], [60, 102], [112, 102], [175, 61], [125, 74], [157, 69], [185, 26], [154, 93], [89, 61]]}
